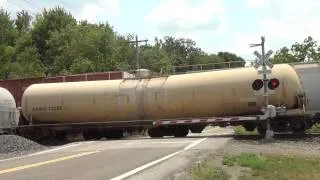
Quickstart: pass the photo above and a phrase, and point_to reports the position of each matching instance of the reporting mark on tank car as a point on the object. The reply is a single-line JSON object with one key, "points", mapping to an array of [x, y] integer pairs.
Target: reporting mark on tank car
{"points": [[45, 109]]}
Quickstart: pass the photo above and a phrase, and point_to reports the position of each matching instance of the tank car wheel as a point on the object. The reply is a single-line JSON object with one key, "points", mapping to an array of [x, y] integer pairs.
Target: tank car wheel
{"points": [[118, 134], [197, 129], [181, 132], [249, 126], [298, 127], [155, 133], [262, 129], [92, 135]]}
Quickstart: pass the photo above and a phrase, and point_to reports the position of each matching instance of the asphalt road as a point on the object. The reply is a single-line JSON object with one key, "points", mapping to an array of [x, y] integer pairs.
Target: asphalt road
{"points": [[136, 158]]}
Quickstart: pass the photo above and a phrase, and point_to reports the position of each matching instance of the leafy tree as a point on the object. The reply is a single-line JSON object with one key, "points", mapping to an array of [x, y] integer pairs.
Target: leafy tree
{"points": [[283, 56], [156, 59], [181, 50], [305, 51], [23, 22], [56, 44], [81, 65], [8, 35], [8, 32], [308, 50], [47, 23], [235, 61]]}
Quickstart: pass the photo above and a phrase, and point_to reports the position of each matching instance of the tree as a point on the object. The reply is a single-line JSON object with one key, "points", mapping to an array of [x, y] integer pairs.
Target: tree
{"points": [[56, 44], [23, 22], [182, 51], [308, 50], [283, 56], [156, 59], [8, 35], [305, 51], [46, 24], [235, 61]]}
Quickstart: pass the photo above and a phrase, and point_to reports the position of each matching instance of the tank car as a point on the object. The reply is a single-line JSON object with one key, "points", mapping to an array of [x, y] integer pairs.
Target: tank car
{"points": [[9, 114], [214, 93], [309, 74]]}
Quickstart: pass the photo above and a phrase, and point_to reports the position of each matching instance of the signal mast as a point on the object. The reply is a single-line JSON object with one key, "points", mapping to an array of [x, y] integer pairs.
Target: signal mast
{"points": [[262, 66]]}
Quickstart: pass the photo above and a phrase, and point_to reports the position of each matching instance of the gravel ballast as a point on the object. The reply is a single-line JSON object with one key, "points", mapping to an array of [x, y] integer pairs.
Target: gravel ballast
{"points": [[303, 146], [12, 145]]}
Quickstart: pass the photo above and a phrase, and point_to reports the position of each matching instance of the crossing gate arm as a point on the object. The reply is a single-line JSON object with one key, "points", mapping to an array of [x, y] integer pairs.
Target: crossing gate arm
{"points": [[269, 113]]}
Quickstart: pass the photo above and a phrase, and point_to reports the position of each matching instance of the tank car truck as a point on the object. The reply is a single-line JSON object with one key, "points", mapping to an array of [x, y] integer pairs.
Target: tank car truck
{"points": [[173, 105]]}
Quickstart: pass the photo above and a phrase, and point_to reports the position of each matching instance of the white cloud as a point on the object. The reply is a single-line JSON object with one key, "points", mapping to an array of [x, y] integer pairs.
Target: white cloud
{"points": [[180, 16], [100, 10], [291, 19], [255, 3], [283, 22]]}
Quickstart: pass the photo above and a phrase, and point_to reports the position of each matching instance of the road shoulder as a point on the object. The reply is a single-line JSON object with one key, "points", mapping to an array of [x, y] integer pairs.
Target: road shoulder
{"points": [[175, 167]]}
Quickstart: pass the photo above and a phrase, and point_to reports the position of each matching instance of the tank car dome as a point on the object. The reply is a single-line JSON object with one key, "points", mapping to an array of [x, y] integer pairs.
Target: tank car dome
{"points": [[6, 99]]}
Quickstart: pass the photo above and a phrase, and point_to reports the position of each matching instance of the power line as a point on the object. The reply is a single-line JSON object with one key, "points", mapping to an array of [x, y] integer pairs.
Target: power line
{"points": [[66, 5], [17, 5], [32, 4]]}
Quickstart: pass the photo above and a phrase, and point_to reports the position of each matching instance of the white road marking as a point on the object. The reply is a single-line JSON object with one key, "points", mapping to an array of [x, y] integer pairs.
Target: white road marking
{"points": [[173, 142], [134, 171], [44, 152]]}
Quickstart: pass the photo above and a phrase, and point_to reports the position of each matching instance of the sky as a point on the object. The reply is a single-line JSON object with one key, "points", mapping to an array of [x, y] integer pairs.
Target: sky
{"points": [[215, 25]]}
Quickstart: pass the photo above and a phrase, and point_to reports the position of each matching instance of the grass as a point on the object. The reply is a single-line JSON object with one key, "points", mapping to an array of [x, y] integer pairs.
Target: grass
{"points": [[314, 129], [206, 171], [240, 130], [276, 166]]}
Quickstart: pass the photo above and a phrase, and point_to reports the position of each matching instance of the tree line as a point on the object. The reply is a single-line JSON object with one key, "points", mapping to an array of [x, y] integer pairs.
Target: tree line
{"points": [[53, 43], [306, 51]]}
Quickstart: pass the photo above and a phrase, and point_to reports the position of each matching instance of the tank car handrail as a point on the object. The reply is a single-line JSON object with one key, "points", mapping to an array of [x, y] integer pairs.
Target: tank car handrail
{"points": [[301, 63]]}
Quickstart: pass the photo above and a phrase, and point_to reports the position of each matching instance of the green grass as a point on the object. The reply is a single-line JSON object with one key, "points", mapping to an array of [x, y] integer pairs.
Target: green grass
{"points": [[314, 129], [276, 167], [240, 130], [206, 171]]}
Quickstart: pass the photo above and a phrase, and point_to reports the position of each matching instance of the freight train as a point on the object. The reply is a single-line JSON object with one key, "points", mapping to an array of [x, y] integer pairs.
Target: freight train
{"points": [[171, 105]]}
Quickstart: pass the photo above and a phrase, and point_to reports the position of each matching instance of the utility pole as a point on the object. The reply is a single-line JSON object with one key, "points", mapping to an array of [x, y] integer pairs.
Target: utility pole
{"points": [[137, 41], [263, 60]]}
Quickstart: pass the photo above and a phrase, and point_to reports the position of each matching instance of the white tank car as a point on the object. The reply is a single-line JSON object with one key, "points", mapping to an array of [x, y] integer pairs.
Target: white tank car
{"points": [[309, 75], [9, 115], [206, 94]]}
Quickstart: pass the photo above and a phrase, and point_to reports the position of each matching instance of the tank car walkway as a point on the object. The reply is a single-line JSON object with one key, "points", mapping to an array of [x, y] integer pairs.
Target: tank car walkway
{"points": [[136, 158]]}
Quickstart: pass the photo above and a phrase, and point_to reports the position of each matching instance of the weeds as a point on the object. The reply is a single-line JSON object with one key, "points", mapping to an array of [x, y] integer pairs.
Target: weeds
{"points": [[206, 171]]}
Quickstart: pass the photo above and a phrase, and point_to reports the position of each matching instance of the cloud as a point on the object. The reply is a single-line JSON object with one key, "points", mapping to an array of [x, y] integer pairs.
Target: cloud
{"points": [[290, 19], [282, 23], [99, 10], [180, 16], [255, 3]]}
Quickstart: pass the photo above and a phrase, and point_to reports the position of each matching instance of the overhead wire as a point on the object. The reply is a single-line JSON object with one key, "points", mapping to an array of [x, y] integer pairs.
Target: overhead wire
{"points": [[20, 7]]}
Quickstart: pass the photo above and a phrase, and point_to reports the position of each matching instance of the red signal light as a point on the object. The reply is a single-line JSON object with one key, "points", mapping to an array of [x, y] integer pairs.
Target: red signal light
{"points": [[273, 83], [257, 84]]}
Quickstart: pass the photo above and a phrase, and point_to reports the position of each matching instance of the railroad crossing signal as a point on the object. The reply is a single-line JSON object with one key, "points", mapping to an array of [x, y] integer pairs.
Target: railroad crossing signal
{"points": [[264, 63], [265, 59]]}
